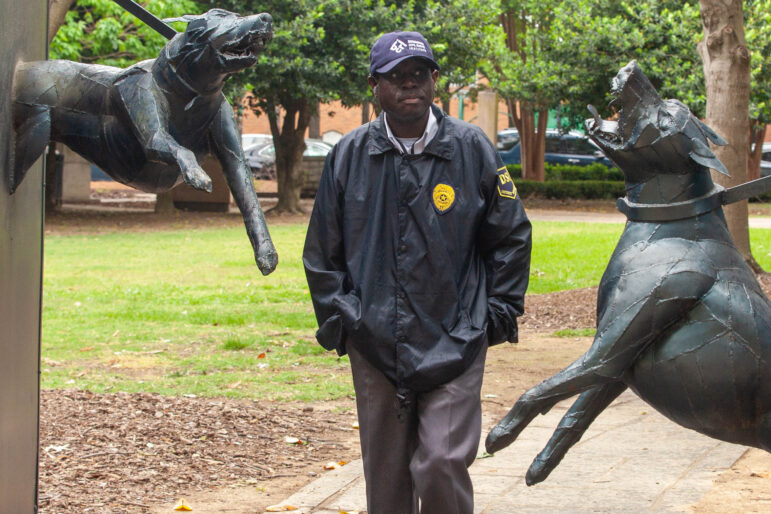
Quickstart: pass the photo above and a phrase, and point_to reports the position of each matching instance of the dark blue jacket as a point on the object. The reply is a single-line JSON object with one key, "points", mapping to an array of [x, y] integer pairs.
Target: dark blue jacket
{"points": [[417, 260]]}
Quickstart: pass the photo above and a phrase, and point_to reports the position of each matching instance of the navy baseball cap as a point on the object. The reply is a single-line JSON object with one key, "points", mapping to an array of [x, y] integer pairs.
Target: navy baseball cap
{"points": [[392, 48]]}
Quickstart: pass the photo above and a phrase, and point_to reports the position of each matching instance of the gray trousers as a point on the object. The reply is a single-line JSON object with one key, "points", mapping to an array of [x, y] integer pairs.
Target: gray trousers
{"points": [[424, 459]]}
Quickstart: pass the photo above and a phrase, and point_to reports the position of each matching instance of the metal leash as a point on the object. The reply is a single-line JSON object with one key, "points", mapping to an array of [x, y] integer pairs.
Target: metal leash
{"points": [[149, 18]]}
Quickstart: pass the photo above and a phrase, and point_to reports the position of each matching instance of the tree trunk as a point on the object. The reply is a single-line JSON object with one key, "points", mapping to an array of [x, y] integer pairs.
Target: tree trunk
{"points": [[57, 11], [314, 126], [726, 63], [532, 142], [290, 144], [164, 203], [446, 100]]}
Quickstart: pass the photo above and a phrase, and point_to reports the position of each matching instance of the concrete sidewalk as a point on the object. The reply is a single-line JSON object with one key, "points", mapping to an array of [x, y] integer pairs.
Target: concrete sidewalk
{"points": [[611, 217], [631, 459]]}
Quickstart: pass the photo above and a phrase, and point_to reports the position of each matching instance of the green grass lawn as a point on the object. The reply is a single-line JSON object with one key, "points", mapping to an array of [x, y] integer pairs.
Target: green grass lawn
{"points": [[187, 312]]}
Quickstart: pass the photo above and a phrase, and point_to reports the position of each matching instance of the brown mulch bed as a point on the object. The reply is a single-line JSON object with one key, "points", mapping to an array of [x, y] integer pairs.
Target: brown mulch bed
{"points": [[128, 452], [562, 310]]}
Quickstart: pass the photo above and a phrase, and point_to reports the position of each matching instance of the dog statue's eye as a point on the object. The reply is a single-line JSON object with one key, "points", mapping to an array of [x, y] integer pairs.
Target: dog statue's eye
{"points": [[666, 121]]}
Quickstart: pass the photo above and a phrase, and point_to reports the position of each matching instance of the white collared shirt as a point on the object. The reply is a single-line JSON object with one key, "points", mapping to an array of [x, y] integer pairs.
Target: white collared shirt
{"points": [[411, 145]]}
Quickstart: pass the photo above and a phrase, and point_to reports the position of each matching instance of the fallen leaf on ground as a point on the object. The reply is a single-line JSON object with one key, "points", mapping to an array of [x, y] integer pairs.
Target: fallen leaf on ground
{"points": [[261, 356], [182, 506]]}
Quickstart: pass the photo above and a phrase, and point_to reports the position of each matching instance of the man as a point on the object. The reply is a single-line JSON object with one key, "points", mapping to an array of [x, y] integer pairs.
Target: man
{"points": [[417, 257]]}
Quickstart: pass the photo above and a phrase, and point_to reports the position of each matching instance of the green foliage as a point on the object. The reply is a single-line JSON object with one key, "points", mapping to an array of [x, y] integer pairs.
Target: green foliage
{"points": [[662, 36], [556, 52], [757, 31], [595, 171], [580, 332], [562, 189], [319, 51], [462, 35], [101, 31]]}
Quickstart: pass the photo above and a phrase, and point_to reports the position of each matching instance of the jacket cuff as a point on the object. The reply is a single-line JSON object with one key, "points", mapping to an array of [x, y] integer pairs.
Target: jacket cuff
{"points": [[500, 326], [331, 334]]}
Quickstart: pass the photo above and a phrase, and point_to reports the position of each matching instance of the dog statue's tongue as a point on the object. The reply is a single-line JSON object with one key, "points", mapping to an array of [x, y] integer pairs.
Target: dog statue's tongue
{"points": [[605, 129]]}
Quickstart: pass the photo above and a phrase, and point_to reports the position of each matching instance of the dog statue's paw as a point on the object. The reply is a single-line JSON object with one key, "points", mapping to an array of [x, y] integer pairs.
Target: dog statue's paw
{"points": [[196, 177], [267, 258], [509, 428]]}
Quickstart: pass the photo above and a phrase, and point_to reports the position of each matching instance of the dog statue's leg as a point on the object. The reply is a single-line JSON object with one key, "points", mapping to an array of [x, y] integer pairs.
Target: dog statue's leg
{"points": [[32, 126], [149, 115], [664, 293], [572, 426], [226, 143], [163, 147]]}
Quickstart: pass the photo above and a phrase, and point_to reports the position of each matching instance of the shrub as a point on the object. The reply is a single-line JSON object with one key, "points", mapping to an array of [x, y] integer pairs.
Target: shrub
{"points": [[596, 171], [561, 189]]}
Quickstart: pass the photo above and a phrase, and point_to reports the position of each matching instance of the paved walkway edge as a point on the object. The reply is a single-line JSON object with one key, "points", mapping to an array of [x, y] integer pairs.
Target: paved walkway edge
{"points": [[632, 459]]}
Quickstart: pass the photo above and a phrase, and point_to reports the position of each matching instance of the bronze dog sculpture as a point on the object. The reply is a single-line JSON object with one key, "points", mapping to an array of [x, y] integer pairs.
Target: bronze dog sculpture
{"points": [[681, 319], [148, 125]]}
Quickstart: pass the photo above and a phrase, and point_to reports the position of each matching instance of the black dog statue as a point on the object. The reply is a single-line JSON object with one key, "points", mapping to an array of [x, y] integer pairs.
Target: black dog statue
{"points": [[681, 318], [148, 125]]}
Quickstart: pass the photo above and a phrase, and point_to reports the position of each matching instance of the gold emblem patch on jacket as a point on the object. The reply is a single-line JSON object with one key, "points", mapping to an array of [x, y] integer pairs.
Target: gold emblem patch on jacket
{"points": [[444, 197], [506, 187]]}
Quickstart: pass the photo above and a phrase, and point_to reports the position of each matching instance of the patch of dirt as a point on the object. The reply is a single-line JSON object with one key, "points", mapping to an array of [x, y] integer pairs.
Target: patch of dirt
{"points": [[746, 487]]}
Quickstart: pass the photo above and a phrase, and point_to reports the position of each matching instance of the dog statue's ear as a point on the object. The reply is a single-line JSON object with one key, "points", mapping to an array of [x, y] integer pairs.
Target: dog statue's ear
{"points": [[187, 18], [709, 133], [702, 154], [211, 13]]}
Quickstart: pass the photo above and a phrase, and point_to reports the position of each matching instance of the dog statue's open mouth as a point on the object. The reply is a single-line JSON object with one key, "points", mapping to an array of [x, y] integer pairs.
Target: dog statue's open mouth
{"points": [[245, 52], [610, 133]]}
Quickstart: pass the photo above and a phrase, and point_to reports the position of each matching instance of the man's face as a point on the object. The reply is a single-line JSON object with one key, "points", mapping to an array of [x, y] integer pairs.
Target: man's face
{"points": [[405, 93]]}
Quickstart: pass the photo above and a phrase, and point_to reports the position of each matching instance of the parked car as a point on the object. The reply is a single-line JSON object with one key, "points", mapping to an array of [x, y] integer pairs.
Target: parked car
{"points": [[765, 160], [561, 148], [262, 156], [248, 140], [507, 138]]}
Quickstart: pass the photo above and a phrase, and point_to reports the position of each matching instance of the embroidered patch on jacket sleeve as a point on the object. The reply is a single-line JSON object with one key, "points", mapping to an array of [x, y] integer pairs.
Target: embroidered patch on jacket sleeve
{"points": [[506, 187]]}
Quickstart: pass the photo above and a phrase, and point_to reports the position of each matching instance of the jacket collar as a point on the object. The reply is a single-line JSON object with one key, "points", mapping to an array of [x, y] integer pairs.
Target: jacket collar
{"points": [[440, 146]]}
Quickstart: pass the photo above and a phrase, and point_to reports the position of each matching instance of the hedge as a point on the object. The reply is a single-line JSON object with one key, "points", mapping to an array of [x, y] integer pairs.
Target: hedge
{"points": [[571, 172], [561, 189]]}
